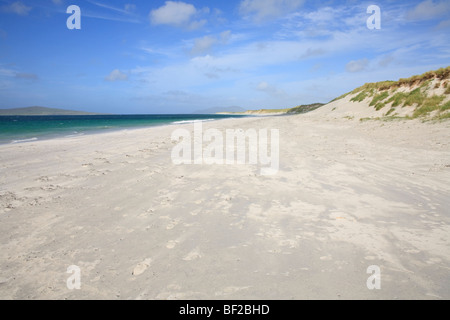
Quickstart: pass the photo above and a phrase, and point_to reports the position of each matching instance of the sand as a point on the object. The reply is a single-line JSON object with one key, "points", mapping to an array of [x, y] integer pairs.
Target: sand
{"points": [[348, 195]]}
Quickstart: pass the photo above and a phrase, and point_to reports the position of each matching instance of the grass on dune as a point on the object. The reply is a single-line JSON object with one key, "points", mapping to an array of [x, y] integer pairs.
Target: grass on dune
{"points": [[397, 99], [392, 110], [447, 91], [417, 96], [429, 105], [360, 97], [443, 116], [379, 97], [377, 100], [341, 97], [385, 92], [426, 78], [446, 106]]}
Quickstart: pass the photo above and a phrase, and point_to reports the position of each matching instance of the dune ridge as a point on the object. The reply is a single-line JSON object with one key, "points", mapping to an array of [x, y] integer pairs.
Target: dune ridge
{"points": [[425, 97]]}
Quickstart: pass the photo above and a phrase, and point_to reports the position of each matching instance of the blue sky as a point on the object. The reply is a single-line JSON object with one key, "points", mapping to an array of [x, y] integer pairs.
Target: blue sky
{"points": [[137, 56]]}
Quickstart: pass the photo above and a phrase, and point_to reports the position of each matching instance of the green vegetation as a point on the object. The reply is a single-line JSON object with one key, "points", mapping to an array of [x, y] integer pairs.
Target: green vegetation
{"points": [[295, 110], [443, 116], [445, 107], [397, 99], [272, 110], [341, 97], [390, 111], [423, 79], [441, 74], [378, 98], [385, 93], [416, 96], [378, 86], [429, 105], [380, 106], [394, 118], [360, 97], [305, 108], [385, 119]]}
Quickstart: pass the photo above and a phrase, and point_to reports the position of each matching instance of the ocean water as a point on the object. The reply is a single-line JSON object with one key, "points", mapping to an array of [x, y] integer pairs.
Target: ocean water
{"points": [[19, 129]]}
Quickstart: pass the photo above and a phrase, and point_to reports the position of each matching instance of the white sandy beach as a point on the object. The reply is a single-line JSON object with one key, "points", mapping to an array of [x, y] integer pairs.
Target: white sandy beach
{"points": [[348, 195]]}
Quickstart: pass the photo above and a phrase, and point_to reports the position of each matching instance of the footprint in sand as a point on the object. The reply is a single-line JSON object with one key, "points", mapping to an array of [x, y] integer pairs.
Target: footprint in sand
{"points": [[171, 244], [194, 254], [141, 267], [230, 290], [172, 224], [326, 258]]}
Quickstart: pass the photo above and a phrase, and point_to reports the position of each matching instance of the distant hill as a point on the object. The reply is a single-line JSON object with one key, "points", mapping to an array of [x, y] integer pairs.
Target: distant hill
{"points": [[220, 110], [295, 110], [41, 111]]}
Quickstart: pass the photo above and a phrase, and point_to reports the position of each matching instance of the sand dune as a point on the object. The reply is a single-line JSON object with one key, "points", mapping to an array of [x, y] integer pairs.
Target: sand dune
{"points": [[425, 97]]}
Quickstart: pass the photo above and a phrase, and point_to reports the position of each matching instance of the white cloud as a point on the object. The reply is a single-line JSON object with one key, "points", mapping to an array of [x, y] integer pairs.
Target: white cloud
{"points": [[269, 89], [264, 72], [428, 10], [357, 65], [27, 76], [112, 13], [324, 22], [444, 24], [178, 14], [204, 44], [130, 7], [263, 86], [116, 75], [194, 25], [111, 17], [7, 72], [12, 73], [264, 9], [57, 2], [127, 7], [386, 60], [17, 7], [225, 36], [310, 53]]}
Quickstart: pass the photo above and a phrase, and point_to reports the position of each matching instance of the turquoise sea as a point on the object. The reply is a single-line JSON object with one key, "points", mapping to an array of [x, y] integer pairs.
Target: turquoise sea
{"points": [[18, 129]]}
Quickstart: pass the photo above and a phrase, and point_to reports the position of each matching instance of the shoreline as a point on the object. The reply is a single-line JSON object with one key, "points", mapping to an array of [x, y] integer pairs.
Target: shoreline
{"points": [[71, 132], [348, 195]]}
